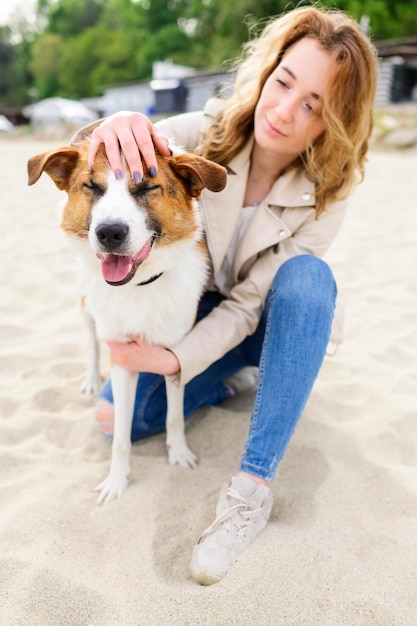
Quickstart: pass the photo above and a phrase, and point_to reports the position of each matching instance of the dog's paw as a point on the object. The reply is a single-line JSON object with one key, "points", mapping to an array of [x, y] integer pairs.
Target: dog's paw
{"points": [[91, 385], [181, 455], [111, 488]]}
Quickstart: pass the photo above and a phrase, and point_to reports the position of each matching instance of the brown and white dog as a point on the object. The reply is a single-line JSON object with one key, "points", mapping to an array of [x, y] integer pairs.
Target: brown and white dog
{"points": [[143, 263]]}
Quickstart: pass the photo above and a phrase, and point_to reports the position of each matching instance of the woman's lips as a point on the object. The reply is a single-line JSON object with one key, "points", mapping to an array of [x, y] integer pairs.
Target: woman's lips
{"points": [[273, 130]]}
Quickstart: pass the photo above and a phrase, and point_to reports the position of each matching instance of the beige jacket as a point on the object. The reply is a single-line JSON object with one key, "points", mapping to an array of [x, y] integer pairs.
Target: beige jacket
{"points": [[284, 225]]}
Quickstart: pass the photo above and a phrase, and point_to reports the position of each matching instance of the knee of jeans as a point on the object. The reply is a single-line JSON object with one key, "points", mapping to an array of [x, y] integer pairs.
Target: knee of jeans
{"points": [[305, 280]]}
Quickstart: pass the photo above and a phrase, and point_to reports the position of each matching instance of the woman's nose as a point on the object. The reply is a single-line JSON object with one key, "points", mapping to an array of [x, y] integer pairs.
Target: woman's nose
{"points": [[285, 109]]}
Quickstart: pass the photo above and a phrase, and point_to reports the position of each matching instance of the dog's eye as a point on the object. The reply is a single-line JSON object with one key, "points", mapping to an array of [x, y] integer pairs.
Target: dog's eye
{"points": [[93, 188], [143, 189]]}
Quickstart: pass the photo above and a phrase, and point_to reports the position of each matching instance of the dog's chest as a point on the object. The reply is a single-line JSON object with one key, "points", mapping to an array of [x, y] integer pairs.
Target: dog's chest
{"points": [[162, 311]]}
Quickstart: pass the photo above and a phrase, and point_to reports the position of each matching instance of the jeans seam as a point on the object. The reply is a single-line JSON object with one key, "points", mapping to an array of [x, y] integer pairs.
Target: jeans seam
{"points": [[255, 412]]}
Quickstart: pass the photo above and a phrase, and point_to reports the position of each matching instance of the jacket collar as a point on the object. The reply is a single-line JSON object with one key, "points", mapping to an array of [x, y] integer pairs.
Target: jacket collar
{"points": [[222, 210], [292, 189]]}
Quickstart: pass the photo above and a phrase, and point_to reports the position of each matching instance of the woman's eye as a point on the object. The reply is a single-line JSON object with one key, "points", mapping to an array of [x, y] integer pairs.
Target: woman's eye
{"points": [[282, 82], [314, 108]]}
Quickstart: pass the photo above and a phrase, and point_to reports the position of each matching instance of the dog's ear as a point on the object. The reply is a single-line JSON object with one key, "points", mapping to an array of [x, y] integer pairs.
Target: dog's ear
{"points": [[199, 172], [58, 164]]}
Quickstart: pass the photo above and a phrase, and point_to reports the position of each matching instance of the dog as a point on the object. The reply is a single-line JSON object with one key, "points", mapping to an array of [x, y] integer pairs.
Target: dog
{"points": [[144, 263]]}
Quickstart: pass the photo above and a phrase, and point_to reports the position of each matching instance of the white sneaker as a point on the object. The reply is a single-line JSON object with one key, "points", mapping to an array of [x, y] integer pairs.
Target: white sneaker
{"points": [[245, 379], [242, 512]]}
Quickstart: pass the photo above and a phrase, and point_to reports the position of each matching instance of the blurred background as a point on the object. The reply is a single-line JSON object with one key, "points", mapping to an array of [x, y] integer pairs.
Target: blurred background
{"points": [[70, 61]]}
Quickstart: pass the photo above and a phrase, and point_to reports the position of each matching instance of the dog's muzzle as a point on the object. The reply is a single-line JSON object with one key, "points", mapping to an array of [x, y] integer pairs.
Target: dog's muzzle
{"points": [[118, 268]]}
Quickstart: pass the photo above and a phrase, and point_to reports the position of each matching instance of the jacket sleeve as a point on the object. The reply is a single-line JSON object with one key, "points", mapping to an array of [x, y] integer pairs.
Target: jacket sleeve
{"points": [[185, 130], [238, 316]]}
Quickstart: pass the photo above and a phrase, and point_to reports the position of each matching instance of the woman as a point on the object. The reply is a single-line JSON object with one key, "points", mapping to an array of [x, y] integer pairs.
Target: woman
{"points": [[293, 137]]}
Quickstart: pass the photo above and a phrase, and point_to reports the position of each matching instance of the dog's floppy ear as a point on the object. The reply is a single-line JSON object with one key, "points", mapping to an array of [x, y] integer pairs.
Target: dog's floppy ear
{"points": [[58, 164], [199, 172]]}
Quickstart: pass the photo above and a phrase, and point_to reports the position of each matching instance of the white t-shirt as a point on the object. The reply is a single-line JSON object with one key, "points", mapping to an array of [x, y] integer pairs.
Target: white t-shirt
{"points": [[223, 279]]}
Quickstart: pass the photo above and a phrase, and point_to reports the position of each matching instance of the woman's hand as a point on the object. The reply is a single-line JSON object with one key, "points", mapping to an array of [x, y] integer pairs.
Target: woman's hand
{"points": [[140, 356], [135, 134]]}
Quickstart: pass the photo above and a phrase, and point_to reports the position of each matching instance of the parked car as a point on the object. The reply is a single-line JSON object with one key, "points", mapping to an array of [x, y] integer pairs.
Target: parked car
{"points": [[54, 110]]}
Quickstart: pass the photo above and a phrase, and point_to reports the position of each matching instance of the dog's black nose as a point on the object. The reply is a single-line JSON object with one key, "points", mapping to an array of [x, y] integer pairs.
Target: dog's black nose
{"points": [[112, 235]]}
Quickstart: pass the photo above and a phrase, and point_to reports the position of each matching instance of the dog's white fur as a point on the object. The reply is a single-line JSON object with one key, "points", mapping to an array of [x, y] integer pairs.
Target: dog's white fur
{"points": [[162, 311], [155, 311]]}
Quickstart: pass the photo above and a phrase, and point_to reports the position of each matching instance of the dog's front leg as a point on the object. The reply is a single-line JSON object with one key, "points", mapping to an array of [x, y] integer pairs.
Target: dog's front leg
{"points": [[124, 390], [93, 381], [178, 451]]}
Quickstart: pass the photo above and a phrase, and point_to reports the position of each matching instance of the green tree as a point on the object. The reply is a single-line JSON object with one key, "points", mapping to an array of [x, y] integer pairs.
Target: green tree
{"points": [[221, 28], [72, 17], [15, 76], [44, 64], [81, 45], [387, 19], [20, 77], [6, 55], [162, 36], [94, 59]]}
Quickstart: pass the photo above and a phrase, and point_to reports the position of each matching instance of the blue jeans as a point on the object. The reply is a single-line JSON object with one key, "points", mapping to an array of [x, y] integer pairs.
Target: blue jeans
{"points": [[288, 346]]}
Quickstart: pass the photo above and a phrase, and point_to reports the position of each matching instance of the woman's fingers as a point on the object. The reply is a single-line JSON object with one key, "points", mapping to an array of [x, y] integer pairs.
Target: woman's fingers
{"points": [[136, 137]]}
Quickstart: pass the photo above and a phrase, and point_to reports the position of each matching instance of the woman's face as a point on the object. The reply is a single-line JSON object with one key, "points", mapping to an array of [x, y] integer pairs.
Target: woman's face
{"points": [[289, 108]]}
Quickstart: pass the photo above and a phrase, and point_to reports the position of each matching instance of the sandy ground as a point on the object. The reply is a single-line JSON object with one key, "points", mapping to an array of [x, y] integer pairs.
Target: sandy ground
{"points": [[341, 545]]}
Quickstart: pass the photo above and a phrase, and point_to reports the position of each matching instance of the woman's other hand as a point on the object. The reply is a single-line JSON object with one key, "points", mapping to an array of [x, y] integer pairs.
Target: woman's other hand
{"points": [[140, 356]]}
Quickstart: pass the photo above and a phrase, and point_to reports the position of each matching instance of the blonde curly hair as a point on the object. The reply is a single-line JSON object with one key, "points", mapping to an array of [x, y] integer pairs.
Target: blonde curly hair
{"points": [[335, 160]]}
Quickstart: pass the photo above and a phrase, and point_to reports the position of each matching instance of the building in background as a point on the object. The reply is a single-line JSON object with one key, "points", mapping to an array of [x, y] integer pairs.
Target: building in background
{"points": [[397, 71], [178, 89]]}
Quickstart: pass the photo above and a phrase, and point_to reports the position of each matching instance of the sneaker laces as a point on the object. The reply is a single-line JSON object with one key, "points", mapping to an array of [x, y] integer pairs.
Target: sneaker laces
{"points": [[233, 514]]}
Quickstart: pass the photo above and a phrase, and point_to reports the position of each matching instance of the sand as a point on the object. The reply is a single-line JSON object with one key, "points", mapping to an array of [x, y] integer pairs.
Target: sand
{"points": [[341, 546]]}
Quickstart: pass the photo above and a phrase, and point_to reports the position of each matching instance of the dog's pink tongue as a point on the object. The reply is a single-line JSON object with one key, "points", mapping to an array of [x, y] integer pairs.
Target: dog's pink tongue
{"points": [[117, 268], [114, 267]]}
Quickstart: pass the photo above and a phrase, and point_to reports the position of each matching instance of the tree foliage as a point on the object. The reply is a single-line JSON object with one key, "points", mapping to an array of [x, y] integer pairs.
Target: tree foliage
{"points": [[79, 46], [69, 18]]}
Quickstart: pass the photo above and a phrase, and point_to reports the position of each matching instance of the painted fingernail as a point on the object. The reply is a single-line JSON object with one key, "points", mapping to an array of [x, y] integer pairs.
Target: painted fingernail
{"points": [[153, 171], [118, 174], [137, 177], [90, 168]]}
